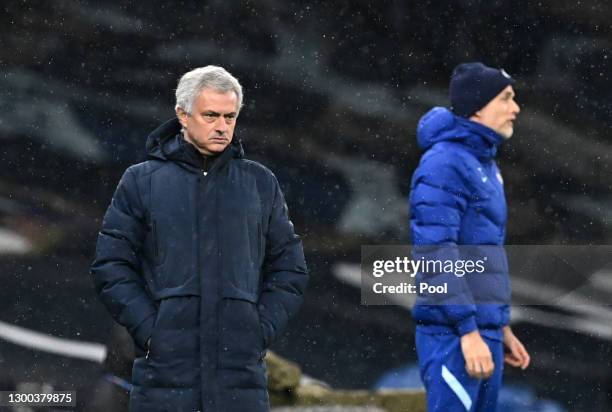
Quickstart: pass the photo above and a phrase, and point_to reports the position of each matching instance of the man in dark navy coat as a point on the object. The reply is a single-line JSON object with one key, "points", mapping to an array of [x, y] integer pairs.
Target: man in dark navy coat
{"points": [[457, 203], [198, 259]]}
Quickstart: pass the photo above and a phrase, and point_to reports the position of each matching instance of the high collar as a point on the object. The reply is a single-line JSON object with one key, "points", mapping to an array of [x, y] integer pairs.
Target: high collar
{"points": [[167, 143], [195, 157], [440, 124]]}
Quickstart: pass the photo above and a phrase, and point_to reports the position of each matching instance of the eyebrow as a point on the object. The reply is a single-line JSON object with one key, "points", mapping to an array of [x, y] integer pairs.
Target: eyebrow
{"points": [[213, 113]]}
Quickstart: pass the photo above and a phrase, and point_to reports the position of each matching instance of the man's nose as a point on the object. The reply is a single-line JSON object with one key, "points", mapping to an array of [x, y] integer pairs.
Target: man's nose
{"points": [[221, 125], [516, 108]]}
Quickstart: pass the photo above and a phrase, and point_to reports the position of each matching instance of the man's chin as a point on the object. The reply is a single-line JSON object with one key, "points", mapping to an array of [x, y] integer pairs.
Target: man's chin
{"points": [[507, 133], [217, 148]]}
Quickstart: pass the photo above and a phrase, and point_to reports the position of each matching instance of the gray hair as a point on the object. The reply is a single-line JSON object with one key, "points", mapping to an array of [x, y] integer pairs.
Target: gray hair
{"points": [[209, 77]]}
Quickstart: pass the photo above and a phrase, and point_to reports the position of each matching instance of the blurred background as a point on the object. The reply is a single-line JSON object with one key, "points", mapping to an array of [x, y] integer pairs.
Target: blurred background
{"points": [[333, 93]]}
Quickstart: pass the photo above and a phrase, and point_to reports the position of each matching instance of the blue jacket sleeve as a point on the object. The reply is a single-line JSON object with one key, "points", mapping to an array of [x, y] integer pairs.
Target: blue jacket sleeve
{"points": [[436, 209], [116, 267], [284, 271]]}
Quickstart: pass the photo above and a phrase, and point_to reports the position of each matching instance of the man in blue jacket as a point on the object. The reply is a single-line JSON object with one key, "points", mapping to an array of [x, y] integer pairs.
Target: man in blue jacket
{"points": [[457, 199], [198, 259]]}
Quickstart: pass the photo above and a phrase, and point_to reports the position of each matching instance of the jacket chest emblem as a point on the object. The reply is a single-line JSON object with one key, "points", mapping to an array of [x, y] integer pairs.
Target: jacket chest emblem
{"points": [[483, 177]]}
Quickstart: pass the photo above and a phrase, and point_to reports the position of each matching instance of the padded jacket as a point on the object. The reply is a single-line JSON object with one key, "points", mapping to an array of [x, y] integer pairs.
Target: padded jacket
{"points": [[205, 265], [457, 202]]}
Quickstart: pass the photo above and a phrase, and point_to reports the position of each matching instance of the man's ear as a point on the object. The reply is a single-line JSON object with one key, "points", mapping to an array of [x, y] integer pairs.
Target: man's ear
{"points": [[182, 116]]}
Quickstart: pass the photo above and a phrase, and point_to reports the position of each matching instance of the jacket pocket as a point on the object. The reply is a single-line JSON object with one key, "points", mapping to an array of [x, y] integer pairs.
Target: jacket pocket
{"points": [[241, 340], [152, 246], [154, 242], [171, 361], [261, 243], [257, 247]]}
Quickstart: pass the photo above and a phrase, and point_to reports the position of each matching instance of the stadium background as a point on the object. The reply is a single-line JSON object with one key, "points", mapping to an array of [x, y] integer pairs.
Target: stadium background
{"points": [[333, 92]]}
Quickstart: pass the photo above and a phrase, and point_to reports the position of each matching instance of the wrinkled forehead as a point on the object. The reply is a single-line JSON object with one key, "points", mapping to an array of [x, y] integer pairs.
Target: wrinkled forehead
{"points": [[221, 101]]}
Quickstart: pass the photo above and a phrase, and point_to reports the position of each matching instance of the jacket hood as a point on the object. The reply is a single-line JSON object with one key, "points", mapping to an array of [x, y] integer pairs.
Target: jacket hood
{"points": [[166, 143], [440, 125]]}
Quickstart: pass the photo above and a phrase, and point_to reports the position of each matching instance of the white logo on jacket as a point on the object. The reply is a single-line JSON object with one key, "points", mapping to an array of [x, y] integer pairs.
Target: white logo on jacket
{"points": [[483, 177]]}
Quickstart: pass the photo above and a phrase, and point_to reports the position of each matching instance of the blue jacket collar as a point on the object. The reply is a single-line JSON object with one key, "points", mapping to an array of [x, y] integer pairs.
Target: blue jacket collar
{"points": [[440, 124]]}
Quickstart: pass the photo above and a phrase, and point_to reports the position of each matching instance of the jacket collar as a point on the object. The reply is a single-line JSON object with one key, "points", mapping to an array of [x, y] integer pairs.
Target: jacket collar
{"points": [[440, 124], [167, 143]]}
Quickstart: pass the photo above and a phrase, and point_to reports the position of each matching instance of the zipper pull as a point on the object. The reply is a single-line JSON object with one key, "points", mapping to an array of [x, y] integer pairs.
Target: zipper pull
{"points": [[204, 172]]}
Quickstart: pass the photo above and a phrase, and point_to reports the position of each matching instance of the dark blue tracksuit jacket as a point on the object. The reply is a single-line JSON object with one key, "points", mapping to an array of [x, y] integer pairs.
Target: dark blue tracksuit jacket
{"points": [[457, 198], [208, 267]]}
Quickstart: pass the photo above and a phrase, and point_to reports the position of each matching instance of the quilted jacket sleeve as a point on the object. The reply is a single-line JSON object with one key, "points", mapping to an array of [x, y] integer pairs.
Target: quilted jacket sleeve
{"points": [[437, 205], [284, 270], [116, 267]]}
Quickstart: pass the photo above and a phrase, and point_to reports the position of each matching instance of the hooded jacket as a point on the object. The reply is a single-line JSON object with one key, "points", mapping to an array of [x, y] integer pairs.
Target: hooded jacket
{"points": [[205, 265], [457, 201]]}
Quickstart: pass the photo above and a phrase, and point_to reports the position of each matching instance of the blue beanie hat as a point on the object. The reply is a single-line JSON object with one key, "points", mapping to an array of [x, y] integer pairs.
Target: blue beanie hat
{"points": [[474, 85]]}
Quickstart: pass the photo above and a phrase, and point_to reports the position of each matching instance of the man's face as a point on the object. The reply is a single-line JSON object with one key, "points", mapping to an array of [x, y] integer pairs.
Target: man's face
{"points": [[210, 125], [500, 113]]}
